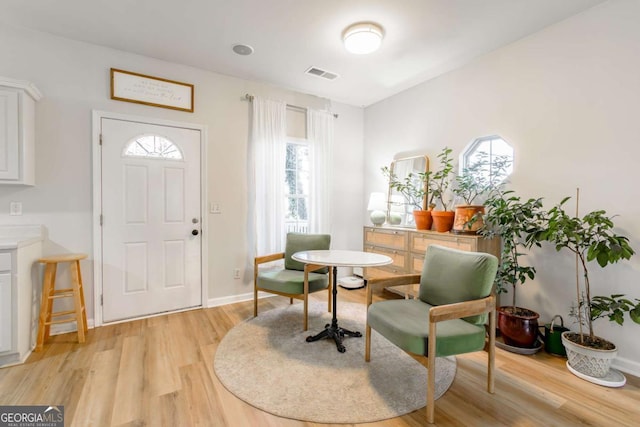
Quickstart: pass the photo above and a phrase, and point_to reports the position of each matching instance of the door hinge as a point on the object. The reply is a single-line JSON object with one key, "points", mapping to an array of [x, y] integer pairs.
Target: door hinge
{"points": [[100, 219], [100, 139], [101, 299]]}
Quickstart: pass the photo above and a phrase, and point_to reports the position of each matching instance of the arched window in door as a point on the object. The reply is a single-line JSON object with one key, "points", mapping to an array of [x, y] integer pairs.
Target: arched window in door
{"points": [[153, 147]]}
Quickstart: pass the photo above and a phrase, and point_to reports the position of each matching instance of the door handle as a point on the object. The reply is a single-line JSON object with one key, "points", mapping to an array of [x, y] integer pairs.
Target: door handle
{"points": [[194, 232]]}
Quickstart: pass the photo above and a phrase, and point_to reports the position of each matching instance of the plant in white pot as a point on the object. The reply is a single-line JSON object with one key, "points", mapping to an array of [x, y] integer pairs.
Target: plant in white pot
{"points": [[591, 238]]}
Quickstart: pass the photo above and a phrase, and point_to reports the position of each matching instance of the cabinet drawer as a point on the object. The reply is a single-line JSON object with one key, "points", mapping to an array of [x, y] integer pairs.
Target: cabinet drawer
{"points": [[419, 242], [399, 258], [393, 239], [5, 261], [375, 272]]}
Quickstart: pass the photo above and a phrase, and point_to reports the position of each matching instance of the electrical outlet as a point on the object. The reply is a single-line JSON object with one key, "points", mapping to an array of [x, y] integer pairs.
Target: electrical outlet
{"points": [[15, 208], [236, 273]]}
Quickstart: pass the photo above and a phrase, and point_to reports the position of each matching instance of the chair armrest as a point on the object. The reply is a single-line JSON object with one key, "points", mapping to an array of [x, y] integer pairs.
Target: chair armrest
{"points": [[312, 267], [462, 309], [268, 258], [385, 282]]}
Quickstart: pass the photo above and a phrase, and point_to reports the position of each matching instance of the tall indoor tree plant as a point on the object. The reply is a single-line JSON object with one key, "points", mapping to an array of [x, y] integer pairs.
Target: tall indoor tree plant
{"points": [[518, 223], [591, 238]]}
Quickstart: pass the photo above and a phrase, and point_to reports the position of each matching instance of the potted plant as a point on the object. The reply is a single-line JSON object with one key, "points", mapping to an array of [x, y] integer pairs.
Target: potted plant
{"points": [[414, 189], [439, 183], [591, 238], [518, 224], [478, 180]]}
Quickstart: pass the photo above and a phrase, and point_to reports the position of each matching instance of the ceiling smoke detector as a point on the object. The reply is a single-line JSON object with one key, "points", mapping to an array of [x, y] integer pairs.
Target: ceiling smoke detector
{"points": [[243, 49], [362, 38]]}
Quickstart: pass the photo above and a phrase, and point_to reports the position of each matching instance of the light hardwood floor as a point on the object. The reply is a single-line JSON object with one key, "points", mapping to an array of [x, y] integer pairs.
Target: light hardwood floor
{"points": [[159, 372]]}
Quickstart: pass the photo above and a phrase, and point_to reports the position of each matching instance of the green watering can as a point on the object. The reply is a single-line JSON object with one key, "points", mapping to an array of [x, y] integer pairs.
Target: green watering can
{"points": [[553, 337]]}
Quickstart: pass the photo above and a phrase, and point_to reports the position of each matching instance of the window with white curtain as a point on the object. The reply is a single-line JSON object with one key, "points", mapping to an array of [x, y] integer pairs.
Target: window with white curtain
{"points": [[291, 150], [297, 185]]}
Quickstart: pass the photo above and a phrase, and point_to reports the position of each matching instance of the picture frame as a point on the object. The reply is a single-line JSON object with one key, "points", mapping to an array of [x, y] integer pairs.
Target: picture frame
{"points": [[154, 91]]}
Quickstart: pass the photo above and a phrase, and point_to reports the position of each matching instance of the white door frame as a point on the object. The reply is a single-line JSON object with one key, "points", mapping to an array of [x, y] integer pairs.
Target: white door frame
{"points": [[97, 116]]}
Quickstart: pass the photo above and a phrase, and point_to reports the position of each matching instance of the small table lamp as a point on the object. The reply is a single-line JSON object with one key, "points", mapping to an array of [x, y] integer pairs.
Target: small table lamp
{"points": [[377, 206]]}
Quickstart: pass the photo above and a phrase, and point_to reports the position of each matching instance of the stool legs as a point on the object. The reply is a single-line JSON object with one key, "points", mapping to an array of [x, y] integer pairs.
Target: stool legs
{"points": [[78, 297], [49, 293], [46, 307]]}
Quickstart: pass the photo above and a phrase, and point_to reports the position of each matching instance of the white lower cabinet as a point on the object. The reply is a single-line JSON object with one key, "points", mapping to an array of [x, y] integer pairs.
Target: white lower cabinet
{"points": [[6, 324], [20, 283]]}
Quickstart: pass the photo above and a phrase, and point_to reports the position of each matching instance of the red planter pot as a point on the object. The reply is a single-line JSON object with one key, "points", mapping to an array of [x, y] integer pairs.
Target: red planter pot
{"points": [[518, 326]]}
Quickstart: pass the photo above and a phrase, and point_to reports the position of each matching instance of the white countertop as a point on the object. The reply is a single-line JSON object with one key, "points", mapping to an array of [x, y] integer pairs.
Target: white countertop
{"points": [[15, 236]]}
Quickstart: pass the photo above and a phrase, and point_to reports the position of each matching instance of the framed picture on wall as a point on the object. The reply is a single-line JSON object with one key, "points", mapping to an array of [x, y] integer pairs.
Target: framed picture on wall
{"points": [[155, 91]]}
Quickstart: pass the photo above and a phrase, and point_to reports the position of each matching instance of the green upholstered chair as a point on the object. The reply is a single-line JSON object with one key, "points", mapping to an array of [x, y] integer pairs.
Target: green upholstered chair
{"points": [[297, 280], [448, 317]]}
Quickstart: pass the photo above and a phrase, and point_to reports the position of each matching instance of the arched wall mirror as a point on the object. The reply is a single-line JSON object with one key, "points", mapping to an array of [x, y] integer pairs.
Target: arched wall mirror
{"points": [[401, 206]]}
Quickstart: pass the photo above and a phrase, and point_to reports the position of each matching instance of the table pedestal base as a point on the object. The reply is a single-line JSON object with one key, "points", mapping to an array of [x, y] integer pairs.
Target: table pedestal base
{"points": [[333, 331]]}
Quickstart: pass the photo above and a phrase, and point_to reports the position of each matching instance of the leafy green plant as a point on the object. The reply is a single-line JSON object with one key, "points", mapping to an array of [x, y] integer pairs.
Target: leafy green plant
{"points": [[591, 238], [518, 224], [440, 180], [413, 187], [481, 177]]}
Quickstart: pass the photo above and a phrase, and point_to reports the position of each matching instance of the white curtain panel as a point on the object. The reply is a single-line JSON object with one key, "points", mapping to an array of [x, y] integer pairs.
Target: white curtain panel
{"points": [[268, 151], [320, 136]]}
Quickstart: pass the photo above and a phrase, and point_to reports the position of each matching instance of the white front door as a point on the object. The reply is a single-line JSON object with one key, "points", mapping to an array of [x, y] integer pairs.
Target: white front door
{"points": [[151, 244]]}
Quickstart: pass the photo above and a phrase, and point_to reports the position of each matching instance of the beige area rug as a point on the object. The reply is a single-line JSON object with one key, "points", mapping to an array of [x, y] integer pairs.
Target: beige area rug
{"points": [[266, 362]]}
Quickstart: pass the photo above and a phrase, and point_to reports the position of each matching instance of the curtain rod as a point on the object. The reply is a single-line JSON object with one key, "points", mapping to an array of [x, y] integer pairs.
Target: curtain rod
{"points": [[250, 97]]}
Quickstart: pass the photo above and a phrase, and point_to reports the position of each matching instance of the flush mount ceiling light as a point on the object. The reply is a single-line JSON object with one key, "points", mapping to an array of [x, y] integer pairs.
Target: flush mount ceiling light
{"points": [[362, 38]]}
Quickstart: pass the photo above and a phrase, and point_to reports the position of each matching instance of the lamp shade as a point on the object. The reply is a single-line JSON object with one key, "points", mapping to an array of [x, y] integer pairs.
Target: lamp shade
{"points": [[362, 38], [377, 202]]}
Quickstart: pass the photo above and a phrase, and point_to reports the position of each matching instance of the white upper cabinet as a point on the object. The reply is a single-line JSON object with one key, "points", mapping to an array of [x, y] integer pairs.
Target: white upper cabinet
{"points": [[17, 131]]}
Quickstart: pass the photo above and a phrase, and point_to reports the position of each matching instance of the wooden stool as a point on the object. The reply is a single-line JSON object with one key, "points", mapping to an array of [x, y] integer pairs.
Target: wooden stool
{"points": [[49, 293]]}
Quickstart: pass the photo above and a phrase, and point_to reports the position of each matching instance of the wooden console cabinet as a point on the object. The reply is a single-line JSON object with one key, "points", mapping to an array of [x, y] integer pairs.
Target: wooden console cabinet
{"points": [[407, 246]]}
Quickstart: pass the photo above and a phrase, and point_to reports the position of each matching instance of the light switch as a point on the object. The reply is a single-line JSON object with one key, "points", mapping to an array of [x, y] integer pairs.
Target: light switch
{"points": [[15, 208], [214, 208]]}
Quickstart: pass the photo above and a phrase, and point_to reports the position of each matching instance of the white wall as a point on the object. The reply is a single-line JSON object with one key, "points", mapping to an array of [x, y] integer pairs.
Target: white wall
{"points": [[74, 78], [568, 99]]}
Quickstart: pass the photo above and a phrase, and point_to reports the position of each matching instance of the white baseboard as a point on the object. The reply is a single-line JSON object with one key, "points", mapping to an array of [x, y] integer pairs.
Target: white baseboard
{"points": [[215, 302], [625, 365]]}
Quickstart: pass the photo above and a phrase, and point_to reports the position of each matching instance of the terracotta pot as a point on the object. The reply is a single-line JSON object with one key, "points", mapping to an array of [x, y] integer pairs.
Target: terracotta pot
{"points": [[443, 220], [518, 326], [423, 219], [468, 219]]}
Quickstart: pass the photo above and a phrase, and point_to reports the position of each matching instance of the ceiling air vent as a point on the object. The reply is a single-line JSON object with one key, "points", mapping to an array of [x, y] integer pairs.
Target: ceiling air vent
{"points": [[318, 72]]}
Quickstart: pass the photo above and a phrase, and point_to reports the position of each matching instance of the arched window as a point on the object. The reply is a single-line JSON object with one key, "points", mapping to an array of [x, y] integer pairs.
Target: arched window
{"points": [[154, 147], [490, 156]]}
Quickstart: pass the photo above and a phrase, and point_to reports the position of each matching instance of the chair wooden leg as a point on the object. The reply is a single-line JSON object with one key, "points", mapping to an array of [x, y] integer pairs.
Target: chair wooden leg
{"points": [[491, 353], [306, 311], [431, 373], [367, 344], [255, 290]]}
